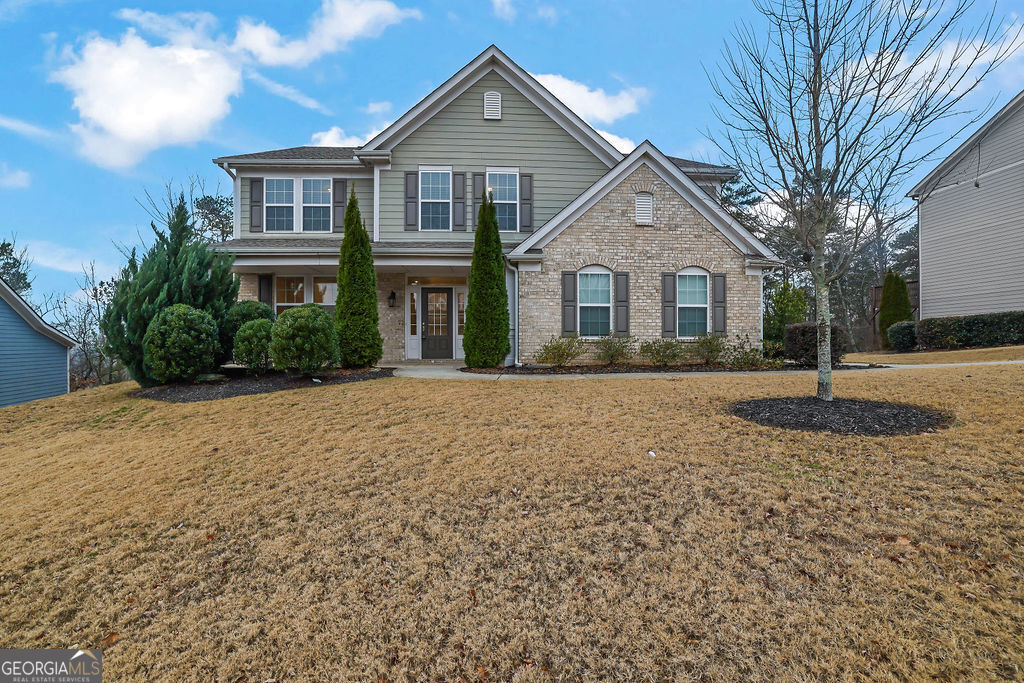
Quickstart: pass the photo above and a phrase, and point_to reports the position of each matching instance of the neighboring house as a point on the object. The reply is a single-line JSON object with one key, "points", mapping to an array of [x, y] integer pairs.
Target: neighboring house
{"points": [[971, 222], [33, 354], [596, 242]]}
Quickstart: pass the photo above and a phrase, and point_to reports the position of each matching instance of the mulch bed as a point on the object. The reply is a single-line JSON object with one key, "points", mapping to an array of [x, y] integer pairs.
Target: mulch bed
{"points": [[626, 368], [842, 416], [240, 384]]}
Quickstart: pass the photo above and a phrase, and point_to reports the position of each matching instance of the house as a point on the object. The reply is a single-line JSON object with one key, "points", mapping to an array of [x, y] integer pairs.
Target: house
{"points": [[971, 222], [34, 355], [596, 241]]}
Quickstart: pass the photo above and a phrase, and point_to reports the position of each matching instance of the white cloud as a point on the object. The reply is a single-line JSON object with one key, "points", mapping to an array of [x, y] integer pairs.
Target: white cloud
{"points": [[377, 108], [13, 178], [504, 9], [66, 259], [287, 92], [593, 104], [29, 130], [548, 14], [624, 145], [12, 9], [336, 137], [335, 25]]}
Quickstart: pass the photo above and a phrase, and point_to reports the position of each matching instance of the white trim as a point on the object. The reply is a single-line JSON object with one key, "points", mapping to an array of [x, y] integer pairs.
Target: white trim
{"points": [[487, 184], [649, 218], [596, 270], [419, 196], [22, 308], [694, 270], [376, 203], [236, 222], [330, 205], [492, 105], [972, 179]]}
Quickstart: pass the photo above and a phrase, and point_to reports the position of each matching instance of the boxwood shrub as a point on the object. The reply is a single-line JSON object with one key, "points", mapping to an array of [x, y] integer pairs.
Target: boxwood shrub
{"points": [[560, 351], [238, 315], [902, 337], [303, 339], [252, 345], [801, 343], [990, 329], [180, 343]]}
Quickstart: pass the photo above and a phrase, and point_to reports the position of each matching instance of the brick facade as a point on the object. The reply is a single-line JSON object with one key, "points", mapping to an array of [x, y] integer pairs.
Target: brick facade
{"points": [[391, 321], [607, 235], [249, 287]]}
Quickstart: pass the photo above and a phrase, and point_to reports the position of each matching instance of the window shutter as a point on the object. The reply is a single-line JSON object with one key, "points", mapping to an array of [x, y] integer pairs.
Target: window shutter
{"points": [[256, 205], [479, 183], [718, 303], [339, 197], [568, 303], [459, 201], [526, 202], [621, 304], [668, 305], [266, 290], [412, 196]]}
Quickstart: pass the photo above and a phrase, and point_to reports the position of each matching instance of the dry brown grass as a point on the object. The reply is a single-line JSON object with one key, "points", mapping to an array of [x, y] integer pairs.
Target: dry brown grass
{"points": [[958, 356], [427, 529]]}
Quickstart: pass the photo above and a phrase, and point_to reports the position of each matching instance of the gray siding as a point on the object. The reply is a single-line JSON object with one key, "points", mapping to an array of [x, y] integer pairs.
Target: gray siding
{"points": [[364, 195], [972, 238], [31, 364], [458, 136]]}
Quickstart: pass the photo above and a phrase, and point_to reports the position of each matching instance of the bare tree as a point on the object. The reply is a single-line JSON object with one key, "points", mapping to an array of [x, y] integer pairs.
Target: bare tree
{"points": [[212, 212], [830, 105]]}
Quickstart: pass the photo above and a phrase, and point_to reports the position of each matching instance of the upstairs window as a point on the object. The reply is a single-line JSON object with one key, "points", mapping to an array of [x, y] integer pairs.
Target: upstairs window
{"points": [[316, 205], [595, 301], [644, 208], [435, 200], [280, 204], [492, 105], [503, 185], [692, 300]]}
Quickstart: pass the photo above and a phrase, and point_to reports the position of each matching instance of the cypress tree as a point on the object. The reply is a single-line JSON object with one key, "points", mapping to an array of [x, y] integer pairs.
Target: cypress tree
{"points": [[487, 328], [355, 309], [895, 306]]}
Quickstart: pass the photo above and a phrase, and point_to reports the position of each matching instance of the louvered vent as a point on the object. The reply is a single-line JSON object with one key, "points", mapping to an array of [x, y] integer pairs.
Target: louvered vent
{"points": [[644, 208], [492, 105]]}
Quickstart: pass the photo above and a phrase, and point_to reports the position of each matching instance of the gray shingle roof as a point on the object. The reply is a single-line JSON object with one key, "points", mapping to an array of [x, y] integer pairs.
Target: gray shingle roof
{"points": [[700, 167], [296, 154]]}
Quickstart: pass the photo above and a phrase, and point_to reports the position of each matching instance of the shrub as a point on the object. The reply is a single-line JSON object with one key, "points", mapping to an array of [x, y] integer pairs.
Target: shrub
{"points": [[895, 306], [560, 351], [180, 343], [990, 329], [773, 350], [902, 337], [303, 339], [252, 344], [662, 351], [486, 340], [801, 343], [355, 309], [611, 349], [238, 315], [743, 355], [784, 305], [709, 349]]}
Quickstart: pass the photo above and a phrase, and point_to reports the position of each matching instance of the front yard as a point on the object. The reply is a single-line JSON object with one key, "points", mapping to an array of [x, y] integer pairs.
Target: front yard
{"points": [[424, 529], [996, 353]]}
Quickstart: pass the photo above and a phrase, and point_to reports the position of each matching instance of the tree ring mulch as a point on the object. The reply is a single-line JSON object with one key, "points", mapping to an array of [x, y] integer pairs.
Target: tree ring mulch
{"points": [[248, 385], [842, 416]]}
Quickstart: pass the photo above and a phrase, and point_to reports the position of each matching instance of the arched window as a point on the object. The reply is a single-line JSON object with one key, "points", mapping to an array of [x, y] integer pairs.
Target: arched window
{"points": [[594, 284], [692, 299], [644, 208]]}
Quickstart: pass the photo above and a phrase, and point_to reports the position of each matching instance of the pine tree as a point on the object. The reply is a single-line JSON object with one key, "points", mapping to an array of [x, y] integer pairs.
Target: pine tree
{"points": [[486, 340], [895, 305], [177, 269], [355, 308]]}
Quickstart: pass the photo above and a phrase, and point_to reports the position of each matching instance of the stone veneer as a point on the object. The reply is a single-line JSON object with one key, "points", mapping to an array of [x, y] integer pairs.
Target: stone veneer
{"points": [[607, 235], [249, 287]]}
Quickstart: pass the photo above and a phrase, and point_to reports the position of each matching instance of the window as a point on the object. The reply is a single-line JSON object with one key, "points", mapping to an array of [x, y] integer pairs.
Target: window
{"points": [[595, 301], [435, 200], [644, 208], [291, 291], [504, 186], [461, 298], [280, 203], [325, 292], [412, 314], [492, 105], [692, 300], [316, 205]]}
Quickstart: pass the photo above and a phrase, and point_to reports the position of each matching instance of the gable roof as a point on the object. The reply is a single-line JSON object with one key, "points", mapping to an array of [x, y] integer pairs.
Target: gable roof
{"points": [[493, 59], [22, 308], [929, 182], [647, 153], [306, 153], [704, 169]]}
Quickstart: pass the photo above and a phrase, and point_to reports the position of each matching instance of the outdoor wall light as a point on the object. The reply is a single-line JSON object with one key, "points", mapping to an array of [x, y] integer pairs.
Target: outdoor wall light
{"points": [[391, 299]]}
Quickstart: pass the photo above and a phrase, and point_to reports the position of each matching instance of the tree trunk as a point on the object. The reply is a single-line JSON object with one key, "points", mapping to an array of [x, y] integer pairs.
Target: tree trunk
{"points": [[824, 323]]}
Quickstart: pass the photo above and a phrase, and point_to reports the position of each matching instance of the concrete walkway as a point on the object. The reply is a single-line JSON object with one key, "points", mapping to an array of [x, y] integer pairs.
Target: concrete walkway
{"points": [[450, 370]]}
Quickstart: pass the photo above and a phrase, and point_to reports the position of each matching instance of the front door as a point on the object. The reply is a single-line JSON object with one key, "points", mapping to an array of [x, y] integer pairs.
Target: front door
{"points": [[437, 340]]}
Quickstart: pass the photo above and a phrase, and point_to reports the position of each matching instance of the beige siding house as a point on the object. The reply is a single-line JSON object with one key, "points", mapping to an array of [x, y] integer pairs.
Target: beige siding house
{"points": [[596, 242], [971, 222]]}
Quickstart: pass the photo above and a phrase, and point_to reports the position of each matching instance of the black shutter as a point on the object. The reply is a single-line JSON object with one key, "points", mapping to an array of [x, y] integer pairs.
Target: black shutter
{"points": [[459, 201], [621, 304], [266, 290], [668, 304], [339, 198], [478, 194], [526, 202], [718, 303], [256, 205], [412, 197], [568, 303]]}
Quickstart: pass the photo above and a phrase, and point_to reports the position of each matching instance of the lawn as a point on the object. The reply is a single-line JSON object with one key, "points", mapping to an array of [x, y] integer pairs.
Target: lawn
{"points": [[418, 529], [958, 356]]}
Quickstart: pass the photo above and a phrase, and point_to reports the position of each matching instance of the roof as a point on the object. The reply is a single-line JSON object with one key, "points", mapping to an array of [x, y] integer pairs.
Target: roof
{"points": [[701, 168], [306, 153], [332, 244], [22, 308], [930, 181], [647, 153]]}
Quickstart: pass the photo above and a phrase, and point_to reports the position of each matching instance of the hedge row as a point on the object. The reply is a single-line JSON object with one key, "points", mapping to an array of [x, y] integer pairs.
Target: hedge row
{"points": [[990, 329]]}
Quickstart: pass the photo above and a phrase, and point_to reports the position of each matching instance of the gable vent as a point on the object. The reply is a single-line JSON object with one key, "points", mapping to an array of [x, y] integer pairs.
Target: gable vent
{"points": [[644, 208], [492, 105]]}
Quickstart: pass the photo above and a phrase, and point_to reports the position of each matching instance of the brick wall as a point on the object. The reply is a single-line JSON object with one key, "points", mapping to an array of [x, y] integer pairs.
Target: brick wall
{"points": [[607, 235], [249, 287], [391, 320]]}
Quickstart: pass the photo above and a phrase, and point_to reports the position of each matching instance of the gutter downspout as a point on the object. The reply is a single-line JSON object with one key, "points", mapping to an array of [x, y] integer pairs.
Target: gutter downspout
{"points": [[515, 271], [227, 169]]}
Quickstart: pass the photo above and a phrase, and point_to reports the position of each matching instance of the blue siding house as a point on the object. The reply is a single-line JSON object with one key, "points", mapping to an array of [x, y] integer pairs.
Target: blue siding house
{"points": [[33, 354]]}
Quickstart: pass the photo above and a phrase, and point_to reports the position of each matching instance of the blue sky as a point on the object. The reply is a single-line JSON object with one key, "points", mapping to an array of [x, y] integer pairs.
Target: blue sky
{"points": [[106, 100]]}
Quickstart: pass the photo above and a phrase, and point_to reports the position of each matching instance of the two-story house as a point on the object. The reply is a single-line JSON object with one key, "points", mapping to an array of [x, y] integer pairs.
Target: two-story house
{"points": [[596, 242]]}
